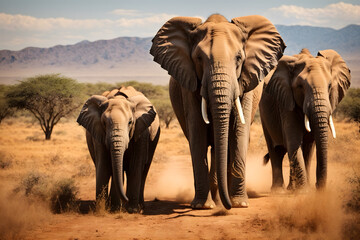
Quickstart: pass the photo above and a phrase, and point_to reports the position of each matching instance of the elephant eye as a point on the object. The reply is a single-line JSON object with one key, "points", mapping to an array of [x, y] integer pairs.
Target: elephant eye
{"points": [[238, 58], [130, 121]]}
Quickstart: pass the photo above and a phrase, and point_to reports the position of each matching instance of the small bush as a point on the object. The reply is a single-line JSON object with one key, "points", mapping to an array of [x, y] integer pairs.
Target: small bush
{"points": [[85, 170], [5, 161], [63, 196], [34, 184], [353, 203], [56, 158]]}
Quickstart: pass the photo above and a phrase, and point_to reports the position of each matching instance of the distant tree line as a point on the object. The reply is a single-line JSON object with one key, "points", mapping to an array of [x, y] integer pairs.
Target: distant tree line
{"points": [[49, 98]]}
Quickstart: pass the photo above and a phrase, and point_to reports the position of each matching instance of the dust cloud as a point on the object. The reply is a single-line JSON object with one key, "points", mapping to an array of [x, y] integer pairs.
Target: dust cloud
{"points": [[172, 181]]}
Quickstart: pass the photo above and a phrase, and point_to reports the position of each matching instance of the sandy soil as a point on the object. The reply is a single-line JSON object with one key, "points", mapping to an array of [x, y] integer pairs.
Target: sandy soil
{"points": [[169, 190]]}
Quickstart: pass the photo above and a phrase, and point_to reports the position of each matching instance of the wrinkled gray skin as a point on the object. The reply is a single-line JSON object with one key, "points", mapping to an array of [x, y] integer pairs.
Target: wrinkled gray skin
{"points": [[219, 61], [122, 134], [301, 85]]}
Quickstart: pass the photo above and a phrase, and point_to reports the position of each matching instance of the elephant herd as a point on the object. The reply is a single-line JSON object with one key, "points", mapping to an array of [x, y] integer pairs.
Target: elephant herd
{"points": [[221, 72]]}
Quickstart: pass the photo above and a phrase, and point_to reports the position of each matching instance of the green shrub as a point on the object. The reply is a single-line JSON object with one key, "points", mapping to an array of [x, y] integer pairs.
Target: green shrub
{"points": [[349, 107]]}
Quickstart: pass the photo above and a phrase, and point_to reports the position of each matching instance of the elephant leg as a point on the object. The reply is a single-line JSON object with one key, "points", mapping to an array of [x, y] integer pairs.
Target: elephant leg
{"points": [[138, 157], [102, 181], [197, 135], [103, 170], [152, 147], [293, 134], [298, 177], [239, 136], [308, 150], [276, 157]]}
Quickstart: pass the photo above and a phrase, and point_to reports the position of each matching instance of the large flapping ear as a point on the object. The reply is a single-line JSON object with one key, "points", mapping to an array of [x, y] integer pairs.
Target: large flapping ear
{"points": [[171, 48], [144, 114], [90, 116], [263, 48], [279, 83], [340, 75]]}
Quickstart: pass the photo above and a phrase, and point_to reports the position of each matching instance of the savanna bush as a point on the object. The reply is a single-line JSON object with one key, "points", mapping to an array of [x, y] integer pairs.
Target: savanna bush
{"points": [[5, 160], [34, 184], [63, 196]]}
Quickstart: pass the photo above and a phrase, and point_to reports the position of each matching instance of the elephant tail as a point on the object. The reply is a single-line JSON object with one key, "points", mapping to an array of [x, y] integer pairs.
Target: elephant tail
{"points": [[266, 158]]}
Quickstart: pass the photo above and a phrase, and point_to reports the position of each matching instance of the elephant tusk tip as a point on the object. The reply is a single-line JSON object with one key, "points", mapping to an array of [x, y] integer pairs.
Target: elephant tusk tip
{"points": [[307, 123]]}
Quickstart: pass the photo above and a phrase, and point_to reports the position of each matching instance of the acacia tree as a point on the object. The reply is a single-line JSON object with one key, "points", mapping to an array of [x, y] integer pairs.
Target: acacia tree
{"points": [[165, 111], [5, 109], [48, 97]]}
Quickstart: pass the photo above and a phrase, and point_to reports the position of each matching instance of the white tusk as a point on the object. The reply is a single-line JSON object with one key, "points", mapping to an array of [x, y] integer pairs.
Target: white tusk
{"points": [[332, 127], [204, 111], [307, 124], [240, 111]]}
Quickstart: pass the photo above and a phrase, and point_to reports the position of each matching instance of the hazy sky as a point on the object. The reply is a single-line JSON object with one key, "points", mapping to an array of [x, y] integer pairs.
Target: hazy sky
{"points": [[45, 23]]}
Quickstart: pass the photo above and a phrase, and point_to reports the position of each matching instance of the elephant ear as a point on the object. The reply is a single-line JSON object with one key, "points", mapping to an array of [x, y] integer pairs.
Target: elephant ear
{"points": [[340, 75], [171, 48], [263, 48], [278, 83], [90, 116], [144, 114]]}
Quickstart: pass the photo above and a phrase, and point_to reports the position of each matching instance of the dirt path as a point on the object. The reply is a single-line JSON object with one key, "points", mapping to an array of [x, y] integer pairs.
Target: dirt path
{"points": [[162, 220], [169, 190]]}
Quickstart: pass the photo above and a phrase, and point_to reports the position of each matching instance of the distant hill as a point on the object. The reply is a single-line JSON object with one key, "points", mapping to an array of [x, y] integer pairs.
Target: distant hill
{"points": [[128, 58]]}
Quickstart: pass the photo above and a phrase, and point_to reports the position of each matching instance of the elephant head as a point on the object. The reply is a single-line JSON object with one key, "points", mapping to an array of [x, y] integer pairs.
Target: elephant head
{"points": [[114, 120], [220, 60], [312, 86]]}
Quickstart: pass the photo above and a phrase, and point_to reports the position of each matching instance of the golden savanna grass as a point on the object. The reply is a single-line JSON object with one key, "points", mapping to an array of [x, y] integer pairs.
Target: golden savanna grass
{"points": [[31, 168]]}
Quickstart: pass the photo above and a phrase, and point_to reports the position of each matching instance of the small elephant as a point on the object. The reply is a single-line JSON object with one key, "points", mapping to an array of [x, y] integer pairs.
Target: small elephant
{"points": [[296, 108], [215, 66], [122, 134]]}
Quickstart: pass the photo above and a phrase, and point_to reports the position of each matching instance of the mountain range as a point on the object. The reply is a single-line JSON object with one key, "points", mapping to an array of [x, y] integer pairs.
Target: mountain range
{"points": [[128, 58]]}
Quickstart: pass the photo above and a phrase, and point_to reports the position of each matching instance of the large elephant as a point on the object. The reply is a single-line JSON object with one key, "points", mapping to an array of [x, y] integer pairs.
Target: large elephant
{"points": [[296, 109], [213, 65], [122, 134]]}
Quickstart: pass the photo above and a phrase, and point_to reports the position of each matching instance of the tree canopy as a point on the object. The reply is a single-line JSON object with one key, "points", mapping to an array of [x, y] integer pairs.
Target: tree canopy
{"points": [[48, 97], [5, 109]]}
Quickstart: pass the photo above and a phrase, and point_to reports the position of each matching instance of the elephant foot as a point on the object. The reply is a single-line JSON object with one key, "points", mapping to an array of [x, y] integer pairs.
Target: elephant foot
{"points": [[278, 190], [291, 187], [240, 202], [202, 203], [134, 208]]}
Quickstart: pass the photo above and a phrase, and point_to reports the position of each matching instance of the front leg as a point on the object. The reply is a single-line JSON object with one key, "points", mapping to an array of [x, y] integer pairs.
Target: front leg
{"points": [[103, 170], [239, 136], [293, 135], [197, 135], [138, 153]]}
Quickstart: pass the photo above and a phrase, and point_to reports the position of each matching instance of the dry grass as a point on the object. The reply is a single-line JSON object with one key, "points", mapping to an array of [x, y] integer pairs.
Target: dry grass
{"points": [[31, 167]]}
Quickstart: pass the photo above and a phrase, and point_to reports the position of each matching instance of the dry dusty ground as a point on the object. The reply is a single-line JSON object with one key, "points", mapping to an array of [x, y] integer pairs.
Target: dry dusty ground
{"points": [[25, 211]]}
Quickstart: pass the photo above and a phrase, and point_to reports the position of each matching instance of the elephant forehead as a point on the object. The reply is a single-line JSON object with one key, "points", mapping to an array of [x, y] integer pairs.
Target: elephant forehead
{"points": [[316, 71], [119, 105], [219, 29]]}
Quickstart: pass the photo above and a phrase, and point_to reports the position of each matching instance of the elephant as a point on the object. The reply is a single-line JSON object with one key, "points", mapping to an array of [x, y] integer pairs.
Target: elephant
{"points": [[299, 98], [122, 131], [214, 67]]}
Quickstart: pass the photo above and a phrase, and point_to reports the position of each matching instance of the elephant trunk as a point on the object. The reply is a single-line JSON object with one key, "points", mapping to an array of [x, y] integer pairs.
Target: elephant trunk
{"points": [[319, 120], [220, 97], [117, 148]]}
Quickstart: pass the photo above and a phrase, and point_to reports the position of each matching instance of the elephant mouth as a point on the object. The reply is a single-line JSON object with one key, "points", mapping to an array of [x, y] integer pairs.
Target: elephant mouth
{"points": [[330, 122], [205, 114]]}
